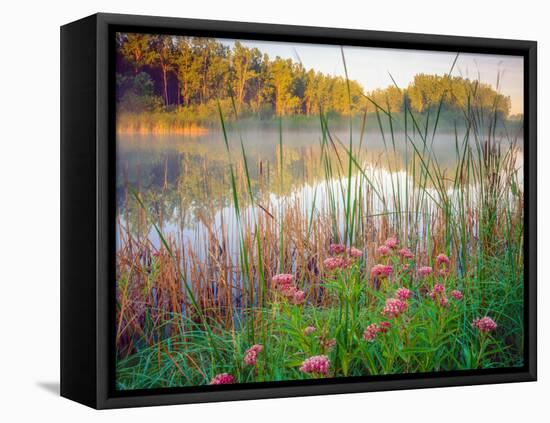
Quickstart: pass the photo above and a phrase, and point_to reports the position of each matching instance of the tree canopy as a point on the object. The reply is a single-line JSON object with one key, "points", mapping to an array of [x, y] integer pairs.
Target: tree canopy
{"points": [[163, 73]]}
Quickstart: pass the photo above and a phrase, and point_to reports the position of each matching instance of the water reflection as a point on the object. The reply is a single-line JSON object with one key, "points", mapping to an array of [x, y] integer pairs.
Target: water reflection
{"points": [[186, 186]]}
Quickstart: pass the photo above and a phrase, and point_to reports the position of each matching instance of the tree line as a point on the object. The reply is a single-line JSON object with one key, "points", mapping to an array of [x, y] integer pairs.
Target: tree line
{"points": [[164, 73]]}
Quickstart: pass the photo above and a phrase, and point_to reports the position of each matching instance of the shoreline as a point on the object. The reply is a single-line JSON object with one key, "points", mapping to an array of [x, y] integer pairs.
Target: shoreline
{"points": [[187, 130]]}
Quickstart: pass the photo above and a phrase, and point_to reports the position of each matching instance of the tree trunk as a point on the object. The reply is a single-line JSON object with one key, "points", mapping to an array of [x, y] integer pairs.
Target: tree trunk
{"points": [[164, 71], [185, 94]]}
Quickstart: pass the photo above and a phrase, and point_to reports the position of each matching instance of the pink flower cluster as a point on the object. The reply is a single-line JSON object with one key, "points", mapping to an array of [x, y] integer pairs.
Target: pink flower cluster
{"points": [[406, 253], [333, 263], [391, 243], [381, 271], [328, 344], [403, 294], [485, 324], [341, 261], [383, 250], [370, 332], [443, 263], [309, 330], [318, 364], [337, 248], [341, 249], [456, 294], [282, 279], [438, 294], [394, 307], [222, 379], [251, 354], [442, 260], [294, 295], [299, 297], [374, 329], [283, 284], [383, 327], [386, 248], [354, 252], [438, 289], [425, 271]]}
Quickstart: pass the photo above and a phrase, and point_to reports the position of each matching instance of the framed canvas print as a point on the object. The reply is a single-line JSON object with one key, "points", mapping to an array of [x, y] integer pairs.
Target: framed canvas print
{"points": [[253, 211]]}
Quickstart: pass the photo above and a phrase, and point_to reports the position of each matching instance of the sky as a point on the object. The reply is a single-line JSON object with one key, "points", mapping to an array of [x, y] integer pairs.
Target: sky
{"points": [[371, 67]]}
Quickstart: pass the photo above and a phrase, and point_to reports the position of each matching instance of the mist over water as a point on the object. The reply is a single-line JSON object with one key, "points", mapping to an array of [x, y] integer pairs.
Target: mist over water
{"points": [[185, 179]]}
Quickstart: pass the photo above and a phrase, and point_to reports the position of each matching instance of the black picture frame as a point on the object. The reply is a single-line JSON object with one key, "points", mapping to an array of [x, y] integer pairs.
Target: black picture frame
{"points": [[87, 209]]}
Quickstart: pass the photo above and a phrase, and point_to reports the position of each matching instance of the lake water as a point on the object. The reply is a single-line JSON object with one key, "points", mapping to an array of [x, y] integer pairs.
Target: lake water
{"points": [[186, 184]]}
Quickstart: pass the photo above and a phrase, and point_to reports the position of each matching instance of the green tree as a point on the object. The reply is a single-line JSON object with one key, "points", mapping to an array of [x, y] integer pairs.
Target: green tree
{"points": [[187, 70], [218, 72], [390, 98], [136, 49], [164, 57], [136, 93], [283, 83], [204, 49], [262, 99], [245, 62], [201, 70]]}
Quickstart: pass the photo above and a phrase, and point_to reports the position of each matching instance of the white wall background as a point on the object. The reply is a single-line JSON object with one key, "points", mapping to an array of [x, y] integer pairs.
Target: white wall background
{"points": [[29, 209]]}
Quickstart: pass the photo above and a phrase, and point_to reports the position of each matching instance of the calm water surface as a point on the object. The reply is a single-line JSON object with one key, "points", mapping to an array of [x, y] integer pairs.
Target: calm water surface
{"points": [[186, 184]]}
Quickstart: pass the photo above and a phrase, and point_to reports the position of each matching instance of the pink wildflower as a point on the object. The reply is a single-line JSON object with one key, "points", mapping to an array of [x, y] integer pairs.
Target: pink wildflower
{"points": [[374, 329], [337, 248], [318, 364], [282, 279], [298, 297], [381, 270], [403, 294], [309, 330], [288, 291], [438, 294], [328, 344], [391, 243], [456, 294], [406, 253], [370, 332], [439, 288], [442, 259], [283, 285], [394, 307], [383, 327], [333, 263], [222, 379], [251, 354], [354, 252], [425, 271], [485, 324], [257, 347], [383, 250], [250, 358]]}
